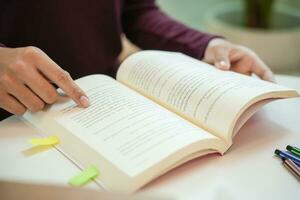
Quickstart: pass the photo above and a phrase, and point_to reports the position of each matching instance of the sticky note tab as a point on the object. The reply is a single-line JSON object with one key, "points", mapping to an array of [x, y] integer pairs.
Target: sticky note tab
{"points": [[51, 140], [85, 176]]}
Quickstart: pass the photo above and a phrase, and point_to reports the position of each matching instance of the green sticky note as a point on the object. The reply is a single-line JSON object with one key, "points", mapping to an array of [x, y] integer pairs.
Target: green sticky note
{"points": [[85, 176]]}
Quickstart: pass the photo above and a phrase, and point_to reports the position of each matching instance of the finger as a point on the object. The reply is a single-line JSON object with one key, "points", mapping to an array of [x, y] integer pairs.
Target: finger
{"points": [[11, 105], [40, 86], [62, 79], [243, 65], [221, 58], [236, 54], [268, 76], [262, 70], [25, 96], [67, 84]]}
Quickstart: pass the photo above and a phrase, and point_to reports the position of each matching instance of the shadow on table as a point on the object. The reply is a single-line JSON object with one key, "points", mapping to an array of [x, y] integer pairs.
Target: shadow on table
{"points": [[258, 132]]}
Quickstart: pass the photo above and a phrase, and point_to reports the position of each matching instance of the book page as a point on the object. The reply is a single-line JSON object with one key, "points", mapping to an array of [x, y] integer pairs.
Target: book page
{"points": [[211, 98], [130, 131]]}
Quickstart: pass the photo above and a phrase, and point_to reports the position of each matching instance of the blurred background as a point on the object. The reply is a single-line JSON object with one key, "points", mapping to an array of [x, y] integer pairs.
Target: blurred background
{"points": [[269, 27]]}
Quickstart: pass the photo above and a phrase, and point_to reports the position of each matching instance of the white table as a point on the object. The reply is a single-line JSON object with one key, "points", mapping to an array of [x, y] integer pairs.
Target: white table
{"points": [[248, 170]]}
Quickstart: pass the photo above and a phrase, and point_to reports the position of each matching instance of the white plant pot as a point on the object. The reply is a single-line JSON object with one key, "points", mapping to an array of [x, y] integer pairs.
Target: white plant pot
{"points": [[278, 47]]}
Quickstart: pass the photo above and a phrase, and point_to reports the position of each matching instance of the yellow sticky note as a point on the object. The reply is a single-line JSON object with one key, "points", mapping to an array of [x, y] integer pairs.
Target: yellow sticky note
{"points": [[51, 140], [85, 176]]}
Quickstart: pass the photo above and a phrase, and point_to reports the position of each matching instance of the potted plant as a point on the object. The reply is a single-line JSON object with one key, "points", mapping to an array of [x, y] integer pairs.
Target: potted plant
{"points": [[258, 13], [270, 28]]}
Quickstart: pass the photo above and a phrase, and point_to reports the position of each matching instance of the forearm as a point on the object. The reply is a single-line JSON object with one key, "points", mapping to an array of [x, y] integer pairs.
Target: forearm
{"points": [[149, 28]]}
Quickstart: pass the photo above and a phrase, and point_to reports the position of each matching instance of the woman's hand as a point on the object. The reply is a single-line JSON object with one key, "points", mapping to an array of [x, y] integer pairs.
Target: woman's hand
{"points": [[26, 75], [227, 56]]}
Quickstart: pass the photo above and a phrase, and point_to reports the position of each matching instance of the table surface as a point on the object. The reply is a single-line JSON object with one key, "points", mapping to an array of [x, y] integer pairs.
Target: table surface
{"points": [[249, 170]]}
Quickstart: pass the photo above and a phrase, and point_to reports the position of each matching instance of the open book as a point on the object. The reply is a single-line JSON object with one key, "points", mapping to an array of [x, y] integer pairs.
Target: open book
{"points": [[164, 109]]}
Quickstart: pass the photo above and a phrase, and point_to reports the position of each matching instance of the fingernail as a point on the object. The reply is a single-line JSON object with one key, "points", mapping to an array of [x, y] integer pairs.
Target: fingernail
{"points": [[84, 101], [224, 65], [269, 77], [272, 77]]}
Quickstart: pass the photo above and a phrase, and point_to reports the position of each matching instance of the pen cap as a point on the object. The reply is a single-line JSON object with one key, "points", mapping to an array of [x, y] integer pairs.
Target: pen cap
{"points": [[289, 147], [277, 152]]}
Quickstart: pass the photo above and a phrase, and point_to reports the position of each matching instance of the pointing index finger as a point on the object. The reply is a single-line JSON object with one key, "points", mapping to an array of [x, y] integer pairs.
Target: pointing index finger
{"points": [[61, 78]]}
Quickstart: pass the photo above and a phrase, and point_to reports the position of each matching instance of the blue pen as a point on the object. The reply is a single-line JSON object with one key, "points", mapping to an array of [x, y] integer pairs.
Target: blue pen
{"points": [[288, 155]]}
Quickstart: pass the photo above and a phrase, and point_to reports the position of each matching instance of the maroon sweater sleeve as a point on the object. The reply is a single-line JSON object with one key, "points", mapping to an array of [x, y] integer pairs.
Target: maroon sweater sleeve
{"points": [[149, 28]]}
